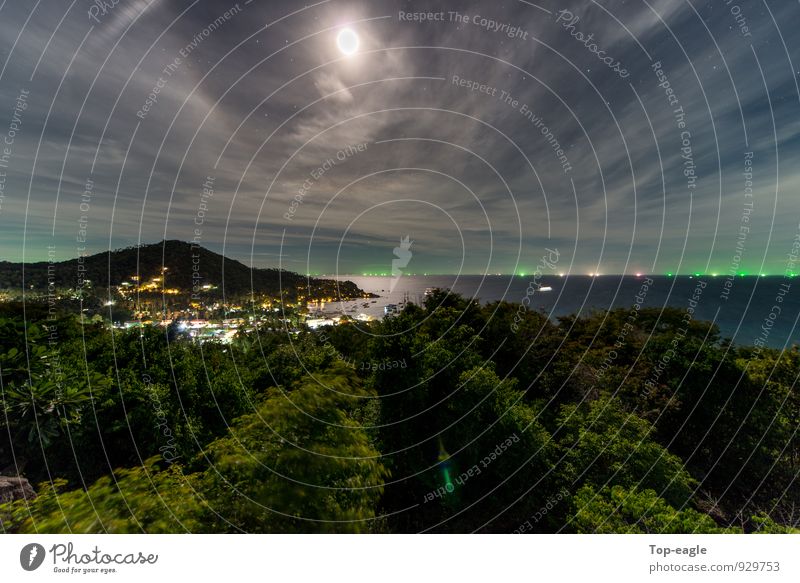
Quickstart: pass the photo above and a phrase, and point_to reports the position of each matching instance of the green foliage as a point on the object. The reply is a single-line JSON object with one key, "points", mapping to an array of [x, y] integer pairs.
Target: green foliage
{"points": [[607, 446], [632, 511], [41, 393], [764, 524], [500, 435], [141, 499], [495, 409], [300, 462]]}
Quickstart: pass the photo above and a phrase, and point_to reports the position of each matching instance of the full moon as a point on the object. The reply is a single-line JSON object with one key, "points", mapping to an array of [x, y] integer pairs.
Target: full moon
{"points": [[347, 41]]}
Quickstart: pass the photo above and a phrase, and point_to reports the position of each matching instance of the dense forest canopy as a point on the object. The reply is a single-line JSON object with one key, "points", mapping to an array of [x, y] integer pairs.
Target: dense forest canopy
{"points": [[448, 417]]}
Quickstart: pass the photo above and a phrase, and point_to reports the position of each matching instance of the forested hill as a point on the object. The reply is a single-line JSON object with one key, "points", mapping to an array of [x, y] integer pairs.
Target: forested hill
{"points": [[181, 259]]}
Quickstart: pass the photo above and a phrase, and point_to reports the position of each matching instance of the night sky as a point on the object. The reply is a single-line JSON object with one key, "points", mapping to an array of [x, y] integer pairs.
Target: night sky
{"points": [[633, 136]]}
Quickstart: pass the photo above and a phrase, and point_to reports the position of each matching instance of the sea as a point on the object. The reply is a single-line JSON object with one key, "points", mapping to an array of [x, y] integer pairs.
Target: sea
{"points": [[749, 310]]}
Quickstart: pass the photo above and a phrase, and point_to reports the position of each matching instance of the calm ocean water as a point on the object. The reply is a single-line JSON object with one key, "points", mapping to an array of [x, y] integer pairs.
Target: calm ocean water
{"points": [[752, 302]]}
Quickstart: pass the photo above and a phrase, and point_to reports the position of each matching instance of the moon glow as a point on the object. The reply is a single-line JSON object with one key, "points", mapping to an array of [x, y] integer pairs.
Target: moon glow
{"points": [[347, 41]]}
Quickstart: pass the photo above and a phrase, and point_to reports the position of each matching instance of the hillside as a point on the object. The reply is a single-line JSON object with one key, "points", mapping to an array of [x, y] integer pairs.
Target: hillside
{"points": [[182, 260]]}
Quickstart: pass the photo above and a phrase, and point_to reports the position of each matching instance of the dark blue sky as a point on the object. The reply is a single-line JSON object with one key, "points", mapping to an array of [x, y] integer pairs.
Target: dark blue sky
{"points": [[487, 137]]}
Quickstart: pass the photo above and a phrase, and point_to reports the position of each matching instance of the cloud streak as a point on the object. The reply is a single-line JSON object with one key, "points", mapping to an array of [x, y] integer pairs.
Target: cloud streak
{"points": [[465, 173]]}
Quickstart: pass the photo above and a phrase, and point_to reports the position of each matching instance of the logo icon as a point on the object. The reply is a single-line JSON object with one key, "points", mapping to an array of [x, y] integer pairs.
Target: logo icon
{"points": [[403, 256], [31, 556]]}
